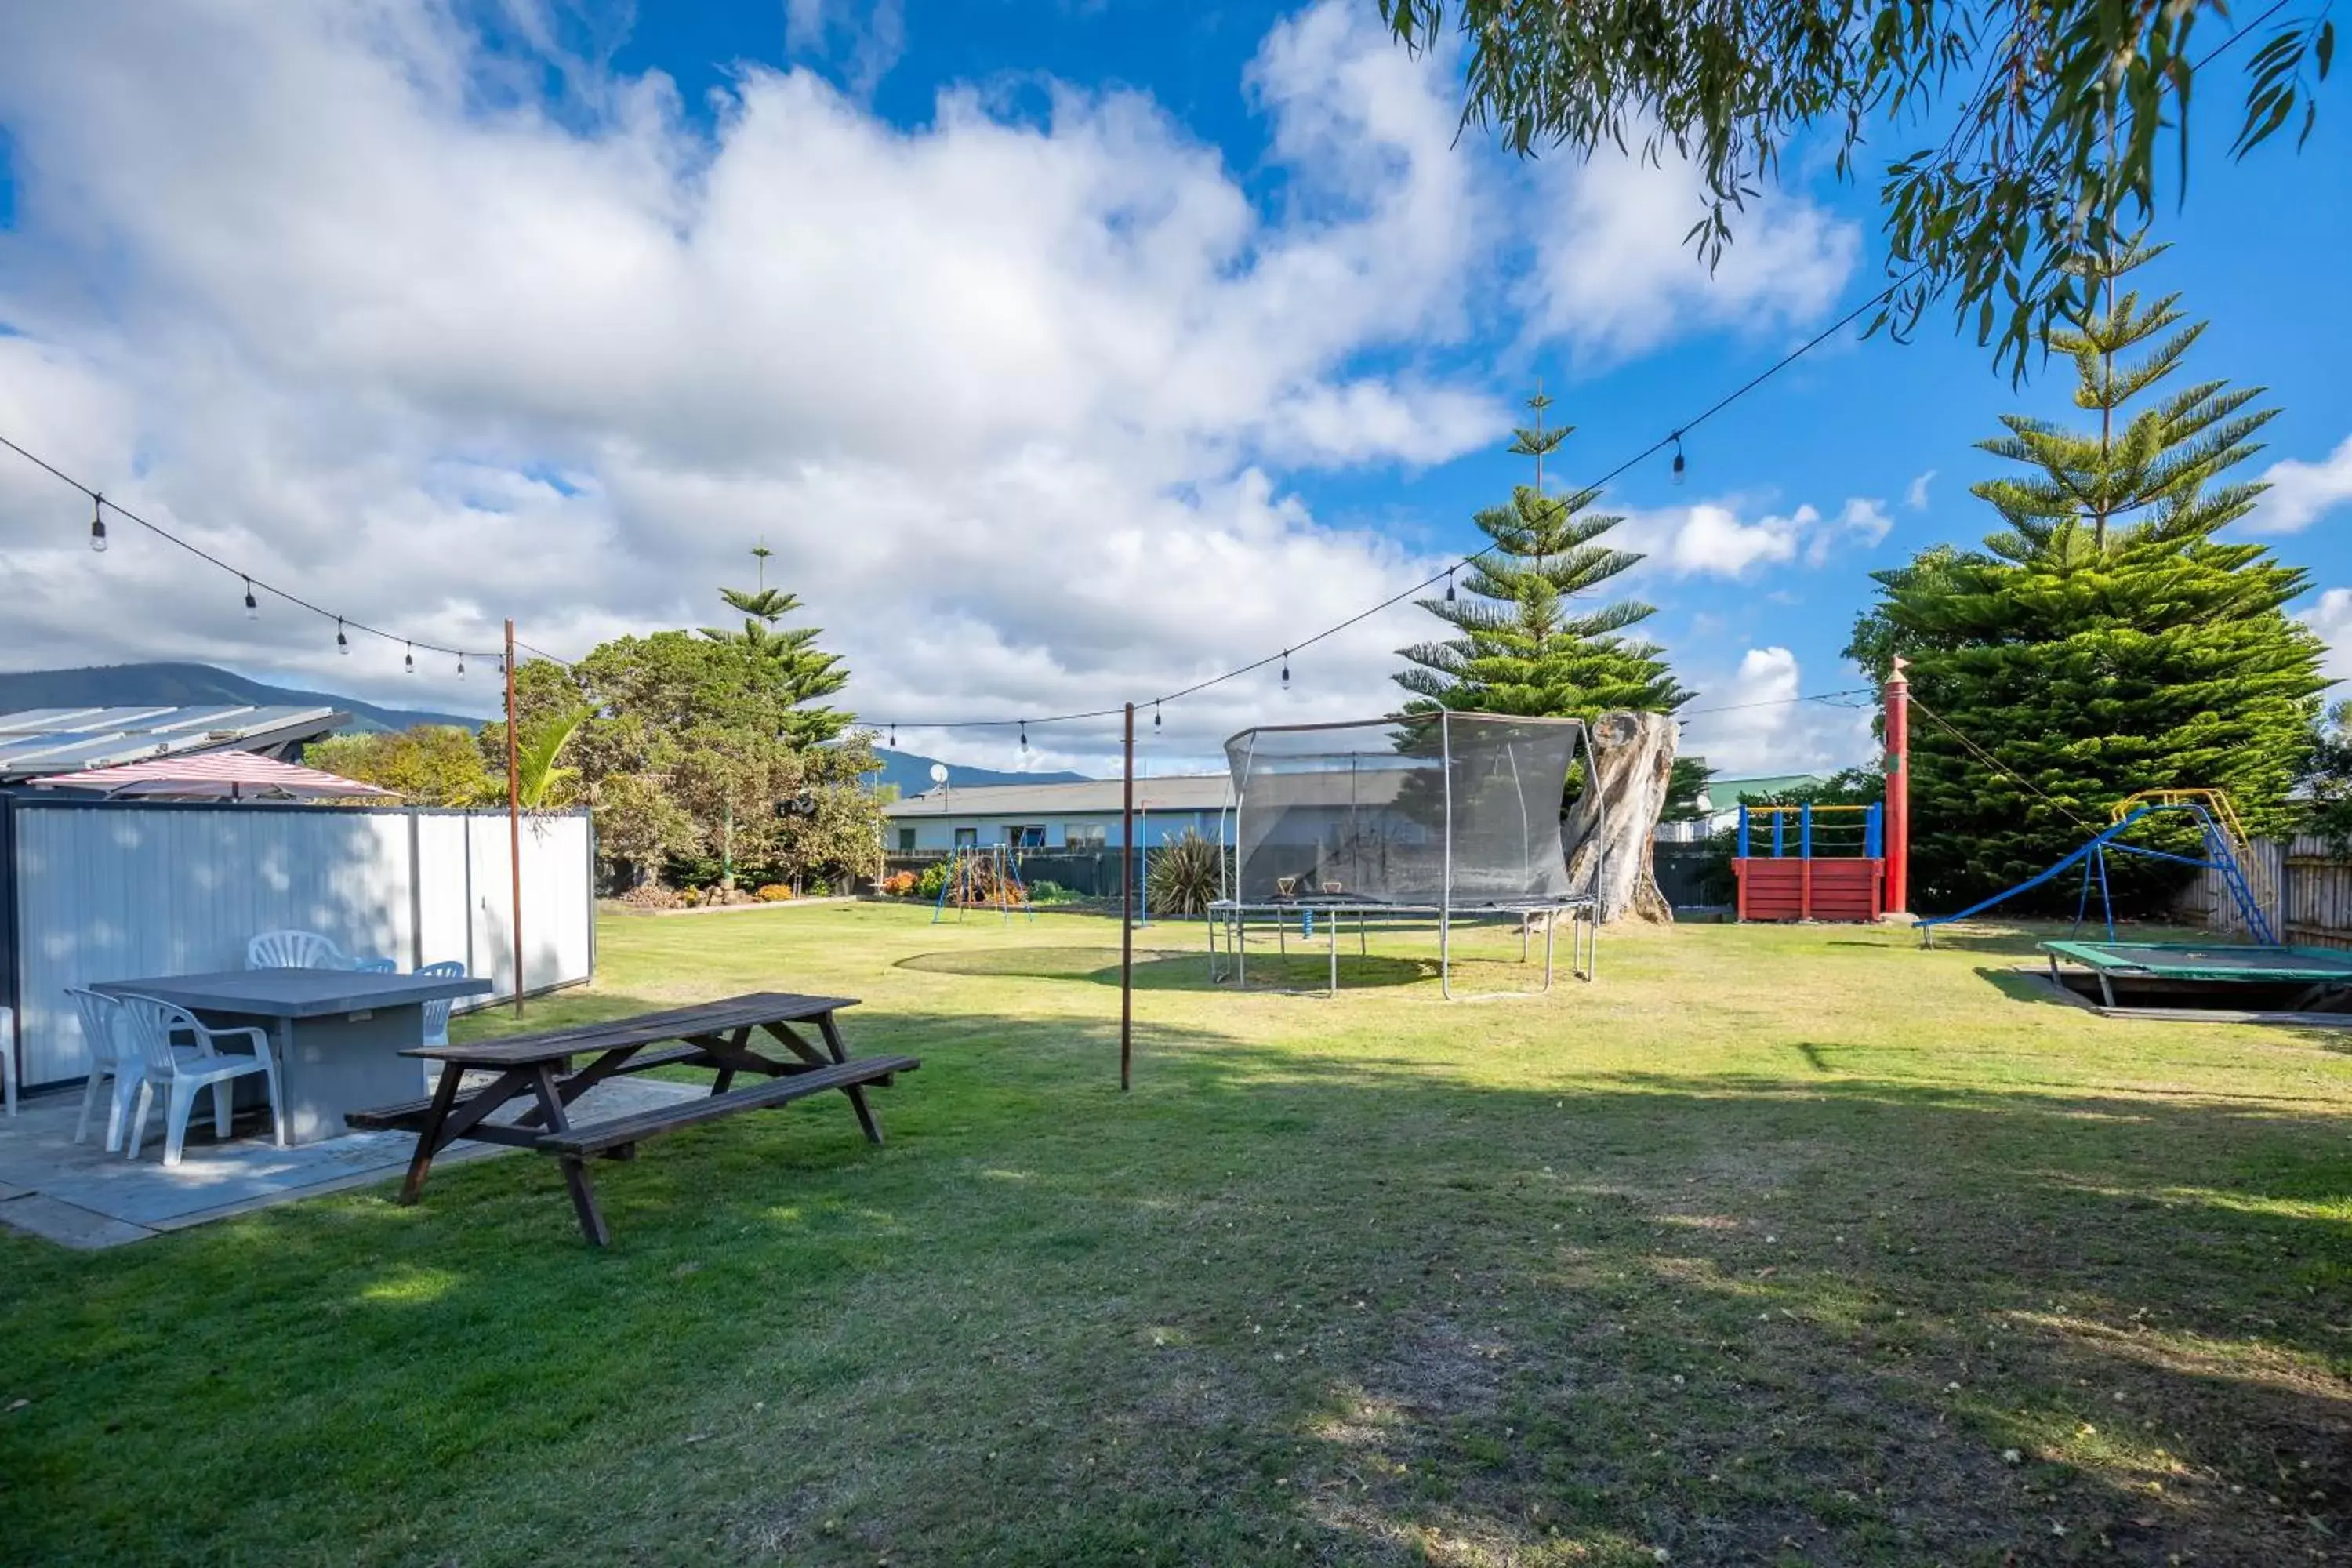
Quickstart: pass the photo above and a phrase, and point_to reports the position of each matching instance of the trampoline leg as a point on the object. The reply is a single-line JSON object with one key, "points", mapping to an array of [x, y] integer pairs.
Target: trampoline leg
{"points": [[1547, 946], [1334, 958], [1362, 950], [1445, 954], [1241, 951]]}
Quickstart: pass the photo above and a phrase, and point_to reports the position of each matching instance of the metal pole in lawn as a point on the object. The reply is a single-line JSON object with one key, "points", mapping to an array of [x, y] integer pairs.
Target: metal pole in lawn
{"points": [[514, 820], [1898, 790], [1127, 918]]}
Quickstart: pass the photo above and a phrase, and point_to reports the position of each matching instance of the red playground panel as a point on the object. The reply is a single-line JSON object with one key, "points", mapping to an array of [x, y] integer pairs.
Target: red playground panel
{"points": [[1810, 863], [1826, 889]]}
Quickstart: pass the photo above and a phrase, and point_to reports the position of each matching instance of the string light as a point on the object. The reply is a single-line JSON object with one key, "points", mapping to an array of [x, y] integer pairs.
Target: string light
{"points": [[894, 737], [1678, 458], [343, 643], [97, 524], [1449, 585], [1286, 670], [1155, 715], [1025, 734], [252, 607], [409, 659], [461, 667]]}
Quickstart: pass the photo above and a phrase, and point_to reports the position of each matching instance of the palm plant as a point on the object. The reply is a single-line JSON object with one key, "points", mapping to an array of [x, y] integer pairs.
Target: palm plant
{"points": [[1185, 877], [539, 782]]}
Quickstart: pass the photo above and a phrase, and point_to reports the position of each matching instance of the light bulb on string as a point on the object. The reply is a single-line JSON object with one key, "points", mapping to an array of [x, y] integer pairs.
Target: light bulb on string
{"points": [[1155, 715], [1025, 734], [1449, 585], [97, 524], [1286, 670], [252, 609], [461, 667], [410, 658], [343, 643], [894, 737], [1678, 458]]}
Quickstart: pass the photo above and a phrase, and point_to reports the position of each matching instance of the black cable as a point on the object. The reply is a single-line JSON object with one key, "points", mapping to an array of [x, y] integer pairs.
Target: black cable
{"points": [[209, 558]]}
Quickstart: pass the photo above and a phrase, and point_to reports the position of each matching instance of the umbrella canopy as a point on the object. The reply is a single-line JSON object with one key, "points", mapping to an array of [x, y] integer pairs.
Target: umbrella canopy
{"points": [[215, 775]]}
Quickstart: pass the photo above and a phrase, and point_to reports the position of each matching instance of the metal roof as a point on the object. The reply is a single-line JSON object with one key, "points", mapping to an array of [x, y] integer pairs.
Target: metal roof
{"points": [[37, 740], [1184, 792]]}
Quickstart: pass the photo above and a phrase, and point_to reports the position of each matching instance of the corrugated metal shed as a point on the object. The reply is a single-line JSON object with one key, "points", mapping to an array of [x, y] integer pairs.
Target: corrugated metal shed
{"points": [[37, 740]]}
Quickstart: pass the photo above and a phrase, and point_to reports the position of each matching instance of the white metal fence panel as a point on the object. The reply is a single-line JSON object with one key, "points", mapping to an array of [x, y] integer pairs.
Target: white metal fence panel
{"points": [[115, 892]]}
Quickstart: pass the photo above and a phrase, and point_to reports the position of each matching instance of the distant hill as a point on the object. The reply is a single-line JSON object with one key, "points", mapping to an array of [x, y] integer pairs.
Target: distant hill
{"points": [[912, 773], [188, 686]]}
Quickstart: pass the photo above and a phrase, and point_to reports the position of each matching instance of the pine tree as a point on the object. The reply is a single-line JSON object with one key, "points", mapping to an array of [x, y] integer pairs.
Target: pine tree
{"points": [[1525, 648], [801, 672], [2104, 642]]}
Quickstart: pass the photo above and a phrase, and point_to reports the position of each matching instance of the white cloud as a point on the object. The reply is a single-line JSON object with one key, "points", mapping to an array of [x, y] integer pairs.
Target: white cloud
{"points": [[332, 292], [1915, 495], [1750, 722], [2331, 617], [2301, 493], [1000, 396], [866, 40], [1713, 539], [1617, 277]]}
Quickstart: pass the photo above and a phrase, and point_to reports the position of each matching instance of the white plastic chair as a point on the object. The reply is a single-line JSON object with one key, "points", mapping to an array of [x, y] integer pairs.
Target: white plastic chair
{"points": [[187, 1071], [110, 1056], [376, 965], [437, 1016], [293, 950]]}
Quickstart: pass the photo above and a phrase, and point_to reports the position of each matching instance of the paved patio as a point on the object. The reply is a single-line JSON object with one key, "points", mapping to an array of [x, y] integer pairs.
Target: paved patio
{"points": [[77, 1195]]}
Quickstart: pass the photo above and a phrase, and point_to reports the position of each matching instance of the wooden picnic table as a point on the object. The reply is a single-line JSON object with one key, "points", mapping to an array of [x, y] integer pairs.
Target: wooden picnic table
{"points": [[538, 1068]]}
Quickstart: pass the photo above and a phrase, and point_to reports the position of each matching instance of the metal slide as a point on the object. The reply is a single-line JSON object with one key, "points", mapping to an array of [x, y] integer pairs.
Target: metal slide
{"points": [[2222, 845]]}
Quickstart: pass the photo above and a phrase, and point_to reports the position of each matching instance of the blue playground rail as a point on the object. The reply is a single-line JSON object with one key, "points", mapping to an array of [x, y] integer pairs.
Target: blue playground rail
{"points": [[2093, 858]]}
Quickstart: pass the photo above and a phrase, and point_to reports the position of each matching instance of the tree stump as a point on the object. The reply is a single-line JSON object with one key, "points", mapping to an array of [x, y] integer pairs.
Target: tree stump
{"points": [[1634, 755]]}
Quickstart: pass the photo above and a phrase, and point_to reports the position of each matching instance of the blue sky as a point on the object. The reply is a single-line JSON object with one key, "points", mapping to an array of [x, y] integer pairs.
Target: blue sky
{"points": [[1063, 352]]}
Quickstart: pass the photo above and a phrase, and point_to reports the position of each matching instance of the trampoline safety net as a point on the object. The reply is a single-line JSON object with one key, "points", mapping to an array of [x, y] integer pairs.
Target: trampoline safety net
{"points": [[1439, 809]]}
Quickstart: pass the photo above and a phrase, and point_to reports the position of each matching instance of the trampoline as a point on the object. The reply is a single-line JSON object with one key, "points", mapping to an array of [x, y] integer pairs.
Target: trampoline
{"points": [[2267, 979], [1448, 815]]}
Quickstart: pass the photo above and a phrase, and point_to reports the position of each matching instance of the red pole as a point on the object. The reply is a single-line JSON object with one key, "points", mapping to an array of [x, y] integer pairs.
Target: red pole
{"points": [[514, 820], [1127, 921], [1898, 792]]}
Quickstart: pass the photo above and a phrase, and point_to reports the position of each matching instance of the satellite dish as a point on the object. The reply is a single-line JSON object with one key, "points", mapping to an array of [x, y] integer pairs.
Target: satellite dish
{"points": [[939, 773]]}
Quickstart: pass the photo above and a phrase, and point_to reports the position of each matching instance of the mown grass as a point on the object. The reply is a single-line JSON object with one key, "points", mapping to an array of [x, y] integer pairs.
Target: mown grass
{"points": [[1775, 1245]]}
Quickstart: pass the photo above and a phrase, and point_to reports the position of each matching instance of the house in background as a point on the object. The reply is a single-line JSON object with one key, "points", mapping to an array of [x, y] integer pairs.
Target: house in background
{"points": [[1719, 801], [1080, 816]]}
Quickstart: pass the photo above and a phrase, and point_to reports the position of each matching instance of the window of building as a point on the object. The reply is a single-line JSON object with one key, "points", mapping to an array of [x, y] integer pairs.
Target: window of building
{"points": [[1027, 837], [1085, 834], [967, 838], [906, 839]]}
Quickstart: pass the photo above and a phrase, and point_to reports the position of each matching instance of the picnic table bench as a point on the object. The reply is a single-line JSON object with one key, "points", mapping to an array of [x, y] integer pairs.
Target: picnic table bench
{"points": [[539, 1067]]}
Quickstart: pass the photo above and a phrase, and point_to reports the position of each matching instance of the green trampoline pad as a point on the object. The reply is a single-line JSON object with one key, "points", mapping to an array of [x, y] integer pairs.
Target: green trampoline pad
{"points": [[2207, 961]]}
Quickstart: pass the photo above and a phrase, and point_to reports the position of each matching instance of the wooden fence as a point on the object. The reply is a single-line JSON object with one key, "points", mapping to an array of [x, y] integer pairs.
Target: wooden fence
{"points": [[2311, 886]]}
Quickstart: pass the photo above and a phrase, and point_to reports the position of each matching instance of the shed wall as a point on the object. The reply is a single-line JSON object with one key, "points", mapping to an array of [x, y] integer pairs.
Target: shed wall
{"points": [[107, 891]]}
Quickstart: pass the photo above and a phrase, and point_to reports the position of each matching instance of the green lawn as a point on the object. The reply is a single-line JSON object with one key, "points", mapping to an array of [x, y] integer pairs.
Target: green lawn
{"points": [[1775, 1245]]}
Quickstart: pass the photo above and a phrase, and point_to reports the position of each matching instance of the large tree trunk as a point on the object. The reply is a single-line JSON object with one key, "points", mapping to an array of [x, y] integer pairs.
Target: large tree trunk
{"points": [[1608, 831]]}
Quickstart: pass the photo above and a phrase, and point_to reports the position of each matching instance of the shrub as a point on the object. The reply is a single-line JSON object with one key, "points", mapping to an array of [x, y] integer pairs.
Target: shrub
{"points": [[1185, 875], [899, 884], [774, 893], [820, 889], [933, 881]]}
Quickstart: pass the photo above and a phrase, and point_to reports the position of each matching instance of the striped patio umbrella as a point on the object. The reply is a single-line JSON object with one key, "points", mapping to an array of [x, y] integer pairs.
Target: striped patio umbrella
{"points": [[214, 775]]}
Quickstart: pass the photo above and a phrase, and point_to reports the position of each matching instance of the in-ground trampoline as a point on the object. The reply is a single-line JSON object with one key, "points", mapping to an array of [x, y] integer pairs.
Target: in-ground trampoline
{"points": [[1442, 814], [2185, 977]]}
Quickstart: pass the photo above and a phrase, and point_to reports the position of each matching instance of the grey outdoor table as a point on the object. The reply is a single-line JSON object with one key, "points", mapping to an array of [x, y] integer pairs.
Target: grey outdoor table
{"points": [[336, 1032]]}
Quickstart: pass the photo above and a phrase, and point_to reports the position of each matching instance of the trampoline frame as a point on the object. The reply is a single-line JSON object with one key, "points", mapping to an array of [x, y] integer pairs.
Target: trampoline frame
{"points": [[2332, 971], [1583, 910]]}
